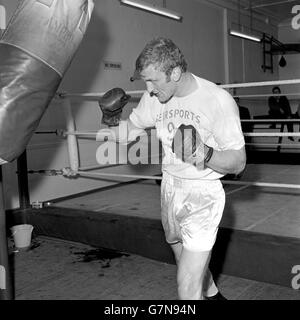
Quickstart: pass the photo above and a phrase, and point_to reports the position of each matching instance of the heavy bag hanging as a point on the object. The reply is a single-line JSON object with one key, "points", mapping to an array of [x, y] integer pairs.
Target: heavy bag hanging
{"points": [[36, 49]]}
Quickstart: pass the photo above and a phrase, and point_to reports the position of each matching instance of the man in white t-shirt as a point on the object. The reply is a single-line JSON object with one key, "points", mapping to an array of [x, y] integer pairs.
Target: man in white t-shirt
{"points": [[192, 196]]}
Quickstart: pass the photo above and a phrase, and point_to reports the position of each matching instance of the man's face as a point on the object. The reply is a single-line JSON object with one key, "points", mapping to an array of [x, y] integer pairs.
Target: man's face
{"points": [[158, 83], [276, 91]]}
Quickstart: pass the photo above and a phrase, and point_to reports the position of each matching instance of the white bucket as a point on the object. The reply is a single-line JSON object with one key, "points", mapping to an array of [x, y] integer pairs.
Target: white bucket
{"points": [[22, 235]]}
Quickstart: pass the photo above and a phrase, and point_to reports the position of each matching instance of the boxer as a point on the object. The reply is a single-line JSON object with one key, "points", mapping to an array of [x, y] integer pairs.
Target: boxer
{"points": [[199, 126]]}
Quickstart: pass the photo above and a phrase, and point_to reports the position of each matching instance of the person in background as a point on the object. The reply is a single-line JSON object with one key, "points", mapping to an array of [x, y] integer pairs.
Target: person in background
{"points": [[279, 108]]}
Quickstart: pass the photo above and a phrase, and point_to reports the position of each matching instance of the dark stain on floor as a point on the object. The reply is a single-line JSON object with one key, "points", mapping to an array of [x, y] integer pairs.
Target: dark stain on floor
{"points": [[104, 256]]}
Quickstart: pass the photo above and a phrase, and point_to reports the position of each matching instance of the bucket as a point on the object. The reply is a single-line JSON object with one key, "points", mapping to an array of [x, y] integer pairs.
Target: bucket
{"points": [[22, 235]]}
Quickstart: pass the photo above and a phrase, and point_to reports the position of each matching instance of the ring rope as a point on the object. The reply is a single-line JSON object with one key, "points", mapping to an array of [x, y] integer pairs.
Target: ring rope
{"points": [[95, 167], [286, 145], [270, 120], [260, 84], [60, 132], [68, 172], [80, 133], [247, 134], [248, 183], [272, 134], [96, 96], [265, 95], [262, 184]]}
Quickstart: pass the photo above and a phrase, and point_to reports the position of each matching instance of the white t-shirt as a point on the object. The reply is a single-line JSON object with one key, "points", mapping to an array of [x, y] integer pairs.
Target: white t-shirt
{"points": [[210, 109]]}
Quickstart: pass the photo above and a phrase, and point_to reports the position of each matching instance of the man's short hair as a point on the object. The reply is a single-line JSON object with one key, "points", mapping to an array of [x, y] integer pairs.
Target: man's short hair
{"points": [[163, 54]]}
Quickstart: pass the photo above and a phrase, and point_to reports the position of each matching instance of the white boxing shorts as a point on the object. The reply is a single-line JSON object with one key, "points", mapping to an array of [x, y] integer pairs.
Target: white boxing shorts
{"points": [[191, 211]]}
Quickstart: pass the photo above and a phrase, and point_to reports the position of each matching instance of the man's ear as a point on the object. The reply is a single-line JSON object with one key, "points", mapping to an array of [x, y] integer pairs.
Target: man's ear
{"points": [[176, 74]]}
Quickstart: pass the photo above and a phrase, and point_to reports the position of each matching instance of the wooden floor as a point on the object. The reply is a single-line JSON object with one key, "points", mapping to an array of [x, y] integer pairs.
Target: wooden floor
{"points": [[55, 269]]}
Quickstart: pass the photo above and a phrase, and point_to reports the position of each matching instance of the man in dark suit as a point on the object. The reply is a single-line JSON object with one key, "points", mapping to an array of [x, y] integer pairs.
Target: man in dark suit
{"points": [[279, 108]]}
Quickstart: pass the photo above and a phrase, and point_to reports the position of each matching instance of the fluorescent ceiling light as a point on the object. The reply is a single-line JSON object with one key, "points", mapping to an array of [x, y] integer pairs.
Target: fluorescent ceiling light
{"points": [[244, 35], [154, 9], [2, 17]]}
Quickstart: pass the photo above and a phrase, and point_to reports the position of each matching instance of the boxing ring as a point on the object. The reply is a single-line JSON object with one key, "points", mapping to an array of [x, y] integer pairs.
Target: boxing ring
{"points": [[245, 246]]}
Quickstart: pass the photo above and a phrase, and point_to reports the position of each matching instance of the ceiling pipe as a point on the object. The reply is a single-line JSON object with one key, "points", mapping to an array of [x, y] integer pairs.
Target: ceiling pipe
{"points": [[263, 5], [230, 5]]}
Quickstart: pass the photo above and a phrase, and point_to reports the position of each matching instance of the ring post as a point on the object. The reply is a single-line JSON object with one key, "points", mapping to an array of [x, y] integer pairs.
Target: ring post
{"points": [[6, 286], [72, 139], [24, 199]]}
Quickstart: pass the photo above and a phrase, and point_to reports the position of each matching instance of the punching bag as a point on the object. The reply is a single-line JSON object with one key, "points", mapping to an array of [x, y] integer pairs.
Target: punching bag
{"points": [[36, 49]]}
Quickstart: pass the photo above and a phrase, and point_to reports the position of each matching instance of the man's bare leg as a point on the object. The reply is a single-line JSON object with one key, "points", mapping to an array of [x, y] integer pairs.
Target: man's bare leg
{"points": [[193, 272]]}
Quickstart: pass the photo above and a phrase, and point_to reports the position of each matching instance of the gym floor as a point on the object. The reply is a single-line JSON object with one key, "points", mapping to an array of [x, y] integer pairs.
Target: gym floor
{"points": [[55, 269]]}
